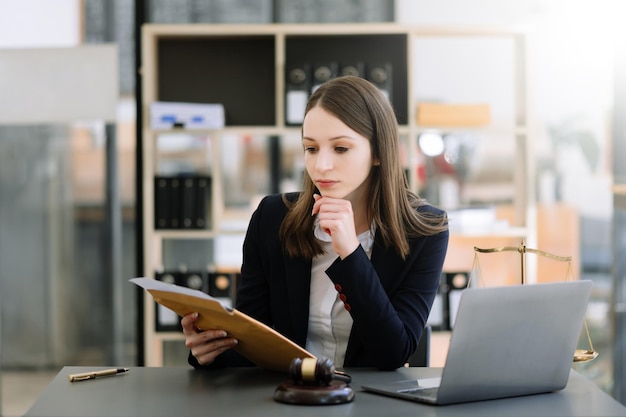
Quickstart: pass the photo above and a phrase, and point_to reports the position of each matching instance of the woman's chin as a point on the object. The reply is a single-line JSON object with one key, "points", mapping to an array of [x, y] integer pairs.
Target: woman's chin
{"points": [[332, 194]]}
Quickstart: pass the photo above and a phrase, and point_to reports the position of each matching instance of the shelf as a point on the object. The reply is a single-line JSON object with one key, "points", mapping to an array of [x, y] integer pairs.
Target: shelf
{"points": [[165, 336], [184, 234], [516, 232], [245, 68]]}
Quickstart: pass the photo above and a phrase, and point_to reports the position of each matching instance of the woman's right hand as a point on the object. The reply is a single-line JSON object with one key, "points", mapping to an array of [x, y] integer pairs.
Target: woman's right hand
{"points": [[205, 345]]}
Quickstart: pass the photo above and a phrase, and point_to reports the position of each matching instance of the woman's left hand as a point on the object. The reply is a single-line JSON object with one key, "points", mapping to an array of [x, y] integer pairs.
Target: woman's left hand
{"points": [[337, 219]]}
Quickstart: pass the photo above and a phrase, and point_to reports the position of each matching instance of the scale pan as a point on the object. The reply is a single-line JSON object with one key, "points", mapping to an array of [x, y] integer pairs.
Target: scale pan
{"points": [[584, 355]]}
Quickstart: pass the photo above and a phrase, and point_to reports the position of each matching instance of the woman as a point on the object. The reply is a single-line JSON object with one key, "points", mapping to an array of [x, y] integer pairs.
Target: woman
{"points": [[349, 267]]}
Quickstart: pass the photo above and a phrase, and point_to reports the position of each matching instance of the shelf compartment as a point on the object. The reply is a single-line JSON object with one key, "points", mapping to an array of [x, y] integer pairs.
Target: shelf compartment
{"points": [[371, 50], [236, 71]]}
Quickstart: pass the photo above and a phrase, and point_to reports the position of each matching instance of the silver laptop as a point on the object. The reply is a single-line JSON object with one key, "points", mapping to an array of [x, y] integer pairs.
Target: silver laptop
{"points": [[507, 341]]}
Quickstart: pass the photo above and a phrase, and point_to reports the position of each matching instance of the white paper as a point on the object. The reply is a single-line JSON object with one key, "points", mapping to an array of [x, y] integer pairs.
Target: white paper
{"points": [[296, 104], [167, 115], [155, 284]]}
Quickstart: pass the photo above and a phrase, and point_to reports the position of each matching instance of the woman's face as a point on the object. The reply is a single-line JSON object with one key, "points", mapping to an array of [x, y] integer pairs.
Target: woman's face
{"points": [[337, 158]]}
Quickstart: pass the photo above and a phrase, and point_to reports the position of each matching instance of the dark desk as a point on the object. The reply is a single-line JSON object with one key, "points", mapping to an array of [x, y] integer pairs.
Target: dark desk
{"points": [[179, 391]]}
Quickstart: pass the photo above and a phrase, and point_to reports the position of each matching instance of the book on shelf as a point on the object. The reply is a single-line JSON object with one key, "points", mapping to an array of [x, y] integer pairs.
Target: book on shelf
{"points": [[167, 320], [182, 202], [162, 212], [258, 342], [171, 115]]}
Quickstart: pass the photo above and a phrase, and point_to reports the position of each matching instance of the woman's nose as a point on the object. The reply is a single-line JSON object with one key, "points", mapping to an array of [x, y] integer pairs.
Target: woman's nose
{"points": [[324, 161]]}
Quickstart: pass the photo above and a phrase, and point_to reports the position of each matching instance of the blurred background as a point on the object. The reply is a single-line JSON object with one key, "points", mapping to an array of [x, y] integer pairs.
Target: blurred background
{"points": [[69, 210]]}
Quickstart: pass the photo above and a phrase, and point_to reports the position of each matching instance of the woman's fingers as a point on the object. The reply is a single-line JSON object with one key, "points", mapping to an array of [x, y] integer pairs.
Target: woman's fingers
{"points": [[205, 345]]}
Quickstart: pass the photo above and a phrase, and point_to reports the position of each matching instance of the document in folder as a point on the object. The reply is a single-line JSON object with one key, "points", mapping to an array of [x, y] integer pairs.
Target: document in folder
{"points": [[257, 342]]}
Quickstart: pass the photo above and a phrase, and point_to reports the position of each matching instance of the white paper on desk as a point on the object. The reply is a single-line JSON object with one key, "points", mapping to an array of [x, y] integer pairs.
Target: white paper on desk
{"points": [[154, 284]]}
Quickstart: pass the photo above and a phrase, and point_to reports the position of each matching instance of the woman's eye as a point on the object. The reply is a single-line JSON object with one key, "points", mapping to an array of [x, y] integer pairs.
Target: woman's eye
{"points": [[309, 149], [341, 149]]}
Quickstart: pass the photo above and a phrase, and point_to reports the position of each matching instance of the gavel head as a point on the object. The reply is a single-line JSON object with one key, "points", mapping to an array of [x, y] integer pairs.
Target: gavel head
{"points": [[311, 371]]}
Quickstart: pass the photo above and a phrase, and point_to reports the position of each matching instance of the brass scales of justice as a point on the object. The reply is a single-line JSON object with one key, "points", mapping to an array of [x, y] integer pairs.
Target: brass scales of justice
{"points": [[580, 355]]}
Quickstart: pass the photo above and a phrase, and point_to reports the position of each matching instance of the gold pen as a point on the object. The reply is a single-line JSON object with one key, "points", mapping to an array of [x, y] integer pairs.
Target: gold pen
{"points": [[95, 374]]}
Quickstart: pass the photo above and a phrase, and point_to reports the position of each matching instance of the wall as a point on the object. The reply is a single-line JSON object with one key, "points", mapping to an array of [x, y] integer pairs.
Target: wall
{"points": [[571, 46], [55, 287], [33, 202], [36, 23]]}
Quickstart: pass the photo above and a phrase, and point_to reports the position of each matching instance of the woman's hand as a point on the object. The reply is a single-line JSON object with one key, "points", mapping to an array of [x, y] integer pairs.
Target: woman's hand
{"points": [[337, 219], [205, 345]]}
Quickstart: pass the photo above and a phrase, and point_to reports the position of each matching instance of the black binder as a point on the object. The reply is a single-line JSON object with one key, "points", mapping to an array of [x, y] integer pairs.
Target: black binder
{"points": [[196, 280], [167, 202], [161, 202], [188, 215], [202, 203], [175, 203], [297, 89], [182, 202], [356, 68], [221, 284], [323, 72], [381, 75], [166, 320]]}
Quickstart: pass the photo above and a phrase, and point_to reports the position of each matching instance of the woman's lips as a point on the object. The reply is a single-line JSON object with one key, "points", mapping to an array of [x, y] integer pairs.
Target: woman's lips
{"points": [[325, 183]]}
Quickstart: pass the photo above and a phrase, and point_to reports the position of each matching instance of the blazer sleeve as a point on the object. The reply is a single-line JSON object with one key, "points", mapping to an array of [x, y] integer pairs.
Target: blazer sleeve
{"points": [[253, 292], [389, 299]]}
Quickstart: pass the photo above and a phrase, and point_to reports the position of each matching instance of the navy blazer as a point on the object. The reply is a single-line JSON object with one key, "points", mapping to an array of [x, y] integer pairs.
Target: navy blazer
{"points": [[388, 298]]}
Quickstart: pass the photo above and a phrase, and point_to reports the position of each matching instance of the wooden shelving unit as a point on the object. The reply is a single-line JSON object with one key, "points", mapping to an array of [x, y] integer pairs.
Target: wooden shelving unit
{"points": [[243, 67]]}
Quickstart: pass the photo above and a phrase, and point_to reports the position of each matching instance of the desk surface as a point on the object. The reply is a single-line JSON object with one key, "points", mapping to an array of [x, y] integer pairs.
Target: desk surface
{"points": [[179, 391]]}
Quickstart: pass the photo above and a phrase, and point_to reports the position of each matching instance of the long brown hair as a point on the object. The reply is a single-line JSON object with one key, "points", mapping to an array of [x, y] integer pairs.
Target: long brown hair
{"points": [[361, 106]]}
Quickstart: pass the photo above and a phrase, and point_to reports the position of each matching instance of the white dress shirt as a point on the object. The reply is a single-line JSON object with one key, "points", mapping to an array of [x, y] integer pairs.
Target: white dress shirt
{"points": [[329, 322]]}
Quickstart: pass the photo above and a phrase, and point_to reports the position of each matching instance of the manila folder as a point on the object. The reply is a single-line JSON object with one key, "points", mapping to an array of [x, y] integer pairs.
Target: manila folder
{"points": [[258, 342]]}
